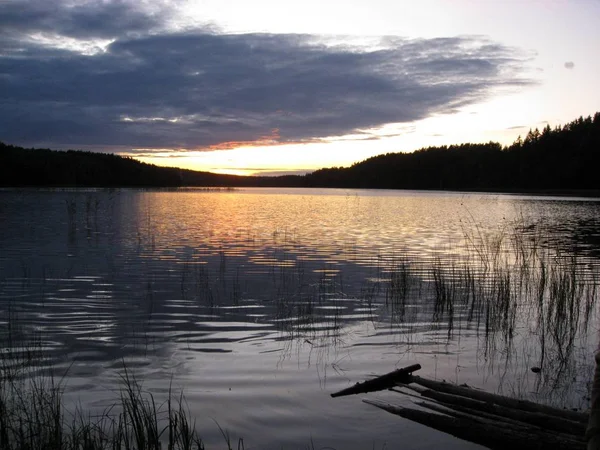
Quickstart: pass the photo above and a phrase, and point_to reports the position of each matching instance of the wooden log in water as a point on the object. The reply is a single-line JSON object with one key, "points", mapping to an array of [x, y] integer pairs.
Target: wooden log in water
{"points": [[460, 409], [523, 405], [379, 383], [481, 417], [474, 406], [490, 419], [488, 435]]}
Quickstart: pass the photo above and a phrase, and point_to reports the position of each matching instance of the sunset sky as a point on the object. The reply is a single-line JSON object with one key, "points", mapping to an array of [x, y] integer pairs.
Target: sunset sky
{"points": [[270, 87]]}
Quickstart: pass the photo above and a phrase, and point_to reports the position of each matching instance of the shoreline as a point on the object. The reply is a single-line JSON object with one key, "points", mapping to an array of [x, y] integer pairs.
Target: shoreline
{"points": [[582, 193]]}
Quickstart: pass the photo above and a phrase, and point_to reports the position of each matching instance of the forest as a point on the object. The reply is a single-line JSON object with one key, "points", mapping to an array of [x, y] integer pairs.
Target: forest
{"points": [[20, 167], [563, 158]]}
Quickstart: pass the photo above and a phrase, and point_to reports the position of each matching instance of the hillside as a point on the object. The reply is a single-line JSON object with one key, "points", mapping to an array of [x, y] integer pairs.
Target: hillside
{"points": [[565, 158], [21, 167]]}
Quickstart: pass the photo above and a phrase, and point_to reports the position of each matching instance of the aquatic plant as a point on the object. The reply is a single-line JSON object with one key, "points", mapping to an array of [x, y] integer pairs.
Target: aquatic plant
{"points": [[33, 414], [510, 287]]}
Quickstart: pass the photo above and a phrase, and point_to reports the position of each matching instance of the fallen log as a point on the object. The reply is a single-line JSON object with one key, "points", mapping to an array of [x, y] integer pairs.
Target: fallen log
{"points": [[508, 402], [474, 406], [452, 409], [481, 418], [489, 435], [509, 427], [380, 383]]}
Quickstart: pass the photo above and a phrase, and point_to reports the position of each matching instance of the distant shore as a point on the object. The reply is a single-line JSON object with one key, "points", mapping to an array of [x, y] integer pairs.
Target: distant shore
{"points": [[574, 193], [562, 161]]}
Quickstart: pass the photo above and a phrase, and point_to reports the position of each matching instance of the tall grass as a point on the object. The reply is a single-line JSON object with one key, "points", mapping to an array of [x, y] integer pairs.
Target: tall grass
{"points": [[33, 414], [510, 287], [506, 285]]}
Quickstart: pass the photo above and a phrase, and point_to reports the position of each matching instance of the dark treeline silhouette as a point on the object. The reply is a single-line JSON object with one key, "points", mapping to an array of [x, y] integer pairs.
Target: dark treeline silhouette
{"points": [[43, 167], [564, 158]]}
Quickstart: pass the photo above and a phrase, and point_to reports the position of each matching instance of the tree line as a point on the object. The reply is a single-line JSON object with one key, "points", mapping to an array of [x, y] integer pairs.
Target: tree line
{"points": [[20, 167], [562, 158]]}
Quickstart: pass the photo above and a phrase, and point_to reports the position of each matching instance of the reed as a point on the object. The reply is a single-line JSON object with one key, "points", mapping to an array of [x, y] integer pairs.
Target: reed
{"points": [[511, 287], [33, 414]]}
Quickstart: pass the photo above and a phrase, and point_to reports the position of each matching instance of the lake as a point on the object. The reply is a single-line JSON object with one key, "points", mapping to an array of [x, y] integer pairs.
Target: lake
{"points": [[259, 303]]}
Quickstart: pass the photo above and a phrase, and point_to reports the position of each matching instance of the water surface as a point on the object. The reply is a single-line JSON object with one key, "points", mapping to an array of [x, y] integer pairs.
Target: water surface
{"points": [[259, 303]]}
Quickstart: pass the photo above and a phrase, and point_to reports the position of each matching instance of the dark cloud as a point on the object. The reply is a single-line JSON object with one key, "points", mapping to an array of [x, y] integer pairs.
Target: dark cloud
{"points": [[92, 19], [193, 89], [569, 65]]}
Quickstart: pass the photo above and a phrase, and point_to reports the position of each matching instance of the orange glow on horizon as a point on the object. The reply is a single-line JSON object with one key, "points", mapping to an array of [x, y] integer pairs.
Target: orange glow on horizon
{"points": [[262, 141], [239, 172], [268, 156]]}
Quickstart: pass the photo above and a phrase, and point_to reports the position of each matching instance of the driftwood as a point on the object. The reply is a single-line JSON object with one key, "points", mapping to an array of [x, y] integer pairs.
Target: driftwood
{"points": [[485, 419], [548, 419], [491, 420], [483, 396], [486, 434], [455, 410], [386, 381], [512, 427]]}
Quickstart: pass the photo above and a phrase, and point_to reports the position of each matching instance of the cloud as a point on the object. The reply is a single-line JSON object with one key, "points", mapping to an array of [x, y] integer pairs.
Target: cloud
{"points": [[569, 65], [192, 89], [82, 20]]}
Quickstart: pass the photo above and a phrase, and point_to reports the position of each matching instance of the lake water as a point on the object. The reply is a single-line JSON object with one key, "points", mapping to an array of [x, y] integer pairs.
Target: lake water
{"points": [[259, 303]]}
